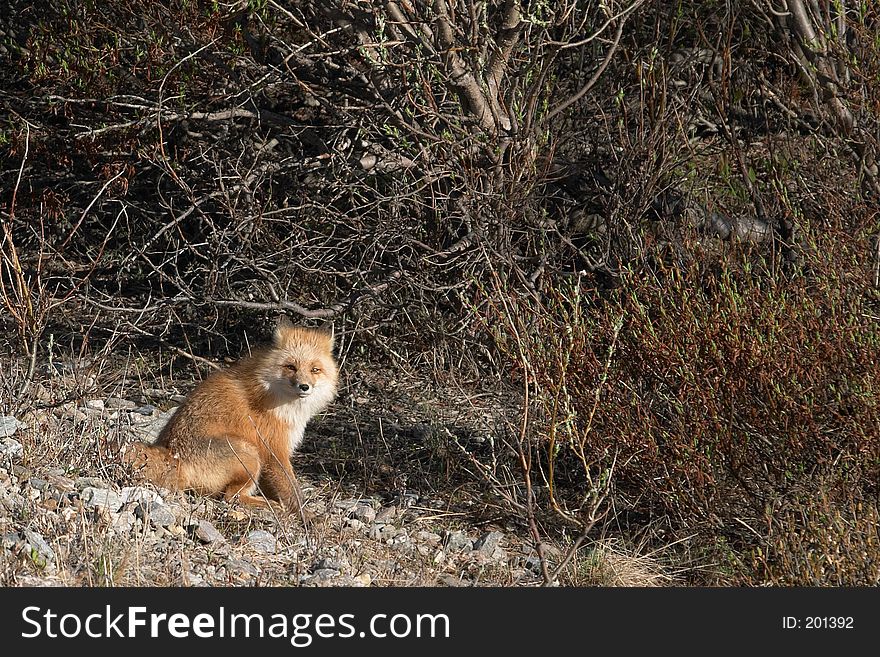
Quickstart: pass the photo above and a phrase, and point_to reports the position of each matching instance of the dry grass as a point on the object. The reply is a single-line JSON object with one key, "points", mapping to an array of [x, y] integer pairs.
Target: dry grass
{"points": [[608, 563]]}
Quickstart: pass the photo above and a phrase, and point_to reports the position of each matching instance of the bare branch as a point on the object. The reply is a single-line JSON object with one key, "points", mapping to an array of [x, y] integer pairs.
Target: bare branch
{"points": [[511, 28], [326, 312], [561, 107], [460, 77]]}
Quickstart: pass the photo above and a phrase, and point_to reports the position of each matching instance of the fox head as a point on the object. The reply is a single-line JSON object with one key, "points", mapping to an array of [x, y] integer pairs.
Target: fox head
{"points": [[300, 365]]}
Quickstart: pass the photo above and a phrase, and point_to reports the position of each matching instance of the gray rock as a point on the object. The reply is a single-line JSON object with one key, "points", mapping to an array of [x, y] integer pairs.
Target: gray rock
{"points": [[10, 449], [752, 229], [122, 522], [158, 534], [262, 541], [31, 581], [155, 393], [738, 229], [384, 533], [146, 409], [451, 580], [364, 513], [488, 542], [360, 581], [241, 567], [386, 514], [101, 497], [139, 494], [32, 545], [320, 577], [457, 541], [155, 513], [8, 426], [95, 404], [136, 423], [191, 578], [9, 540], [151, 430], [61, 482], [39, 484], [8, 506], [346, 505], [408, 499], [86, 482], [206, 532], [329, 564], [427, 537], [72, 413], [21, 472], [118, 404], [67, 367], [354, 523]]}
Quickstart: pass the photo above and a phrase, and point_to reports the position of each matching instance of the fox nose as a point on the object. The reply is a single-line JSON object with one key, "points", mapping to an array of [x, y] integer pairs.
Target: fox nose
{"points": [[304, 387]]}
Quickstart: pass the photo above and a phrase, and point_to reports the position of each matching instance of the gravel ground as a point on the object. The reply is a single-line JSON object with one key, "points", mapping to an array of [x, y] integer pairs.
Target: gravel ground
{"points": [[57, 528], [391, 497]]}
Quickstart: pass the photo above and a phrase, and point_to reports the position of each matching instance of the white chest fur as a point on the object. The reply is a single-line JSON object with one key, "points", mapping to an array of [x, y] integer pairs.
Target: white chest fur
{"points": [[296, 413]]}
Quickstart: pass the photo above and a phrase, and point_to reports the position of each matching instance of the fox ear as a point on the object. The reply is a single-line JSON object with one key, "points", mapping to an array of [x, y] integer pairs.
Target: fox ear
{"points": [[282, 324], [327, 329]]}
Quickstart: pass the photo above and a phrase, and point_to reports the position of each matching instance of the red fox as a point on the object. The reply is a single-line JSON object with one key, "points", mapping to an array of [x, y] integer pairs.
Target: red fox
{"points": [[237, 429]]}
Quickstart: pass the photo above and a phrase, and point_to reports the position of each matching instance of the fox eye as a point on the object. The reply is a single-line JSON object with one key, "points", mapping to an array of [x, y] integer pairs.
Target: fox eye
{"points": [[290, 367], [316, 370]]}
